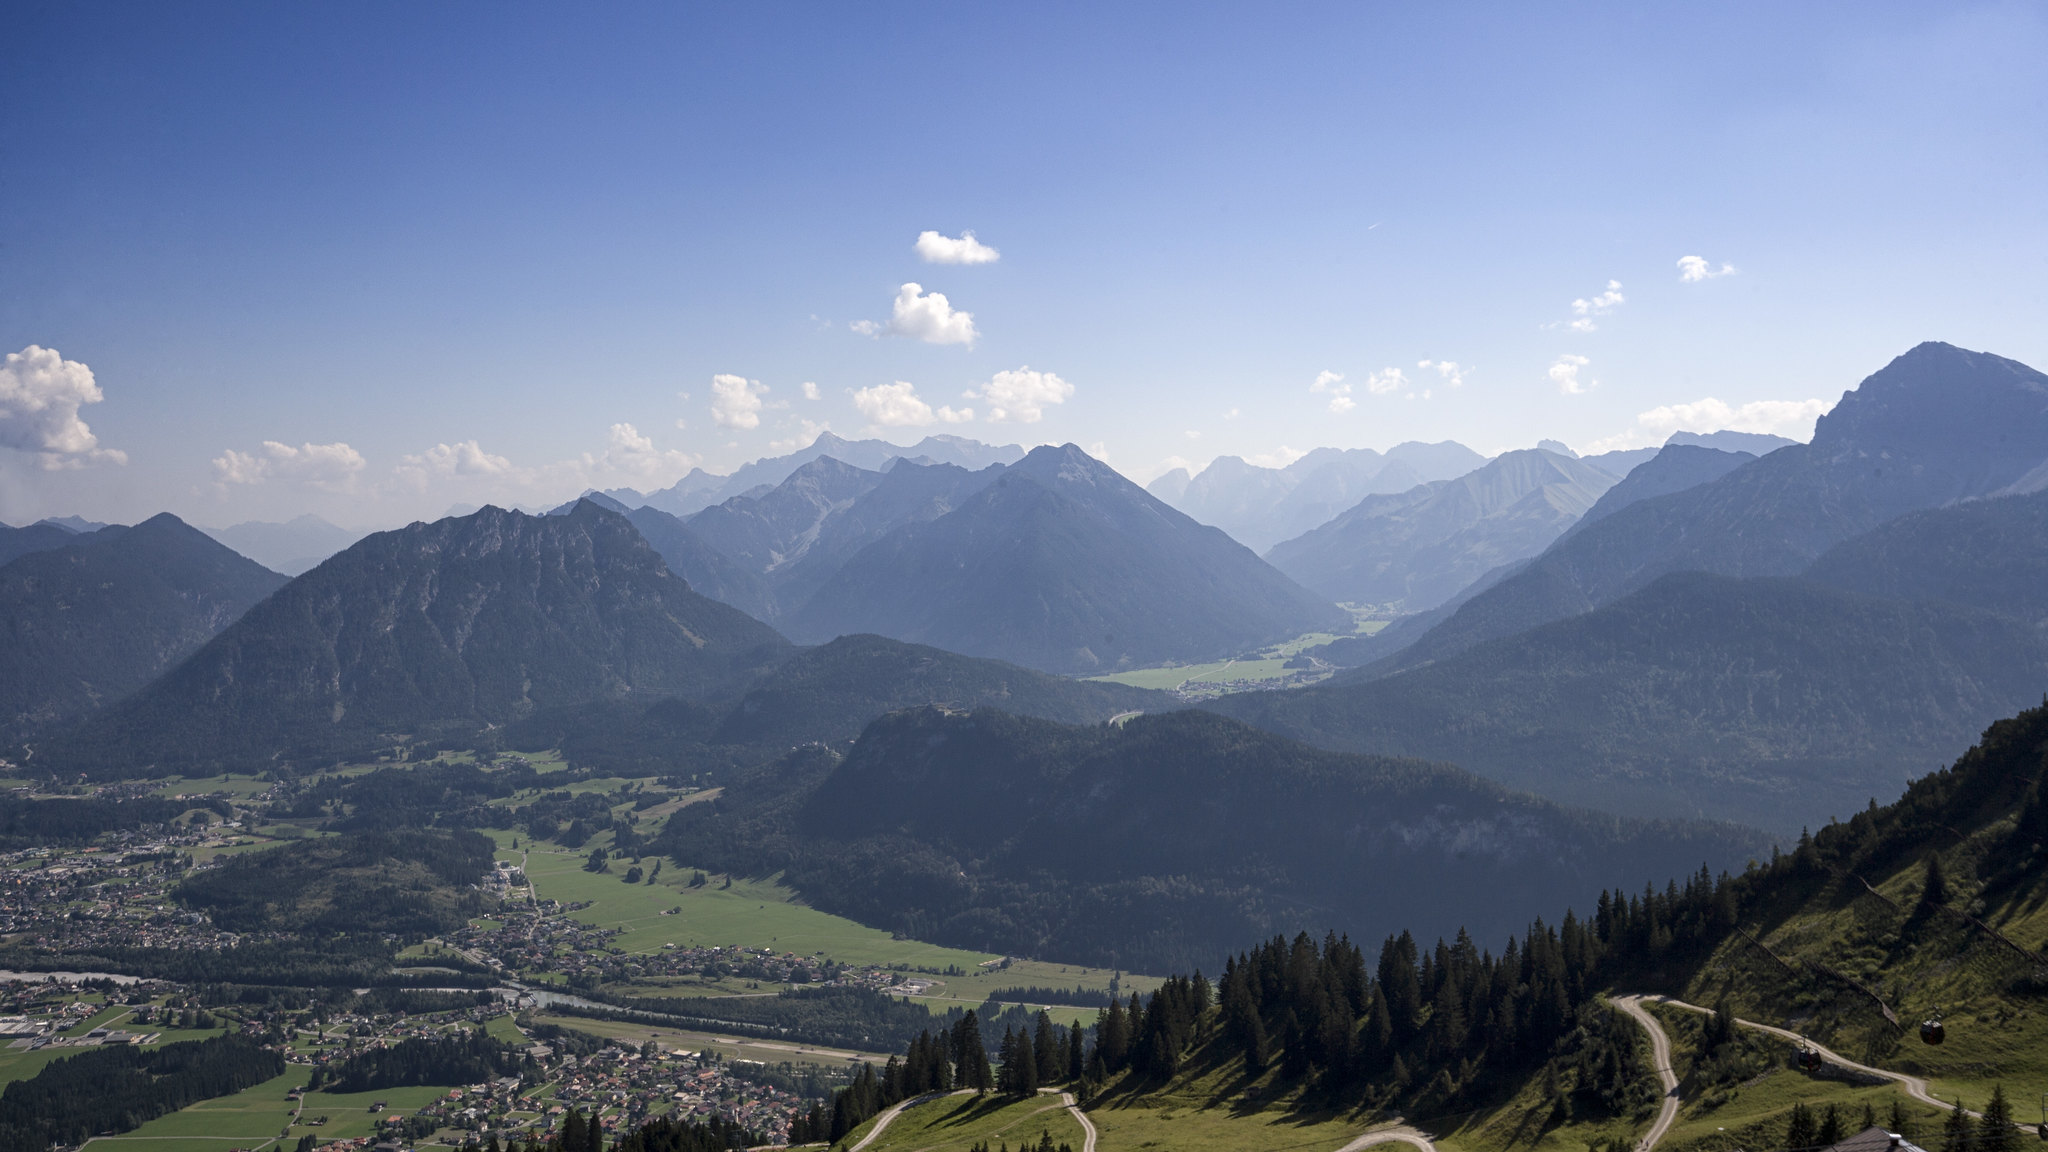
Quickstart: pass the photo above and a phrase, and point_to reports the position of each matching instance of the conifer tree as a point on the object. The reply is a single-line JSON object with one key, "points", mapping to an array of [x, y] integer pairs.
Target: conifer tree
{"points": [[1830, 1126], [1956, 1133], [1995, 1131], [1074, 1064], [1898, 1122], [1046, 1046], [1799, 1129]]}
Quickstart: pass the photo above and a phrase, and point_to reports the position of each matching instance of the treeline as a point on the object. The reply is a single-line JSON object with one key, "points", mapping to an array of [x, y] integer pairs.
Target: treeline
{"points": [[28, 823], [338, 962], [118, 1088], [462, 1058], [832, 1016], [578, 1133], [1076, 996]]}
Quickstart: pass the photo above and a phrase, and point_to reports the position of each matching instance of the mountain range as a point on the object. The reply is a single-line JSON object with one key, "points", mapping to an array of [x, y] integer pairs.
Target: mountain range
{"points": [[291, 547], [97, 617], [1413, 550], [1061, 564], [700, 489], [432, 630], [1260, 506], [1937, 425]]}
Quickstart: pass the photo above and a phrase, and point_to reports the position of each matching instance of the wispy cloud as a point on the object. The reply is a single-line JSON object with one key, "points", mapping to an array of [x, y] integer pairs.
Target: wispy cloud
{"points": [[1793, 419], [1693, 269], [1333, 385], [938, 248], [1452, 374], [1583, 310]]}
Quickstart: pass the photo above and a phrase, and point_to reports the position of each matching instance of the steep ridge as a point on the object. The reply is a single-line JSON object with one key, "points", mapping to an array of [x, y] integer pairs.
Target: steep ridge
{"points": [[1160, 841], [90, 622], [1417, 549], [1772, 702], [433, 629], [1061, 564], [1937, 425], [709, 572], [700, 489], [1675, 468], [766, 532], [38, 537], [908, 493]]}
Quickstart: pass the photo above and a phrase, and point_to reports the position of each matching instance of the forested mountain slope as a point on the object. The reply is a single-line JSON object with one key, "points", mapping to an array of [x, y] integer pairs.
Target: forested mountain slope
{"points": [[85, 624], [1771, 702], [434, 629], [1163, 840]]}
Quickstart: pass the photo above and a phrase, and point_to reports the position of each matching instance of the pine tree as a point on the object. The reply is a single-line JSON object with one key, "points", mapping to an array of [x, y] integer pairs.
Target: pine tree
{"points": [[1995, 1131], [1046, 1046], [1074, 1062], [1799, 1130], [1956, 1133], [1934, 889], [1830, 1127], [1898, 1122]]}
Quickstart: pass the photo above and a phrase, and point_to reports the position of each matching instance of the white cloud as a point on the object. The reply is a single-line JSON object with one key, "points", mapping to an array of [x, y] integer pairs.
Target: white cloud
{"points": [[1565, 374], [736, 401], [934, 248], [899, 406], [1453, 375], [866, 328], [807, 432], [630, 453], [466, 458], [810, 390], [1022, 395], [1233, 414], [1340, 392], [1192, 434], [1789, 418], [1693, 269], [40, 394], [1280, 457], [1601, 305], [930, 317], [330, 466], [1385, 381]]}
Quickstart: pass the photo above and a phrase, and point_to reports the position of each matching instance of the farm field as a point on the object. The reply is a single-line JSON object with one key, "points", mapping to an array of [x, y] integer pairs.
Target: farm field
{"points": [[751, 913], [253, 1117], [955, 1123], [1271, 664], [729, 1047]]}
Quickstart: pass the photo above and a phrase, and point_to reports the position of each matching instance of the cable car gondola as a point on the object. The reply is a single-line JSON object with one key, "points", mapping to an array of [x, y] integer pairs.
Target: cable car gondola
{"points": [[1931, 1031], [1809, 1060]]}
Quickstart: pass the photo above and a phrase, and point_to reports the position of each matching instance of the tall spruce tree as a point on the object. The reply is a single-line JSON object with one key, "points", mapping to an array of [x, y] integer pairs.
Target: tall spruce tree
{"points": [[1995, 1130], [1957, 1133]]}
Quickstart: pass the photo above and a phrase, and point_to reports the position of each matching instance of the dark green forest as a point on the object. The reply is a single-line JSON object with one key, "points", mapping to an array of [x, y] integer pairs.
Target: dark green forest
{"points": [[120, 1087]]}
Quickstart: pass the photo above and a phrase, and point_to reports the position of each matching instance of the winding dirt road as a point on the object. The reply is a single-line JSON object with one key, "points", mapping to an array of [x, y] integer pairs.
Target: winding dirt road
{"points": [[1660, 1054], [1399, 1134]]}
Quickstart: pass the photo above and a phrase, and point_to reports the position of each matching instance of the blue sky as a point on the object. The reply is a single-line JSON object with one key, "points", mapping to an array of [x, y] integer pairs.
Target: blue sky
{"points": [[497, 252]]}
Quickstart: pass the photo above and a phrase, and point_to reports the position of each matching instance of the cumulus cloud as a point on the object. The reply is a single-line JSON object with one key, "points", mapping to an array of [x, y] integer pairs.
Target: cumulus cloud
{"points": [[330, 466], [1339, 392], [1453, 375], [736, 401], [899, 406], [866, 328], [930, 317], [629, 452], [1021, 395], [1565, 374], [1693, 269], [1583, 311], [40, 394], [810, 390], [935, 248], [1793, 419], [466, 458], [1386, 381]]}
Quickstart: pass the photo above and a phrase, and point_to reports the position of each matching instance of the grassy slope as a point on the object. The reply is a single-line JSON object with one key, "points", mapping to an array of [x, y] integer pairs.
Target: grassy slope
{"points": [[953, 1123]]}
